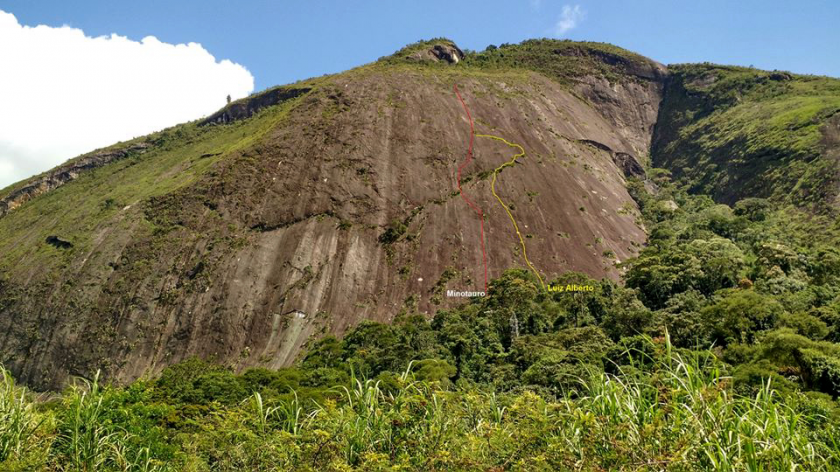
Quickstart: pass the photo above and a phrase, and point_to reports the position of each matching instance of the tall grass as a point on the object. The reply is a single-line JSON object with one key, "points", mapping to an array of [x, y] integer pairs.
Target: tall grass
{"points": [[284, 415], [672, 412], [18, 421], [686, 416], [680, 415], [88, 442]]}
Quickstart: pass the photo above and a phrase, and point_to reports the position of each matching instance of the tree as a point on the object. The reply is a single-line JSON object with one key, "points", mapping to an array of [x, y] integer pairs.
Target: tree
{"points": [[754, 209], [806, 325], [327, 352], [738, 315], [435, 370], [681, 317], [705, 265], [721, 263], [660, 273], [369, 348], [579, 309], [626, 315], [816, 363]]}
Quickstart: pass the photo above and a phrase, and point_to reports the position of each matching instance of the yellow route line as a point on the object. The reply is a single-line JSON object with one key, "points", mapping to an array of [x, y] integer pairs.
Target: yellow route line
{"points": [[511, 162]]}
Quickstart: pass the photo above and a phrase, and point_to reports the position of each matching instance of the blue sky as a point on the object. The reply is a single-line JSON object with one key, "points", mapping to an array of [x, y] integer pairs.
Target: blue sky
{"points": [[102, 81], [282, 41]]}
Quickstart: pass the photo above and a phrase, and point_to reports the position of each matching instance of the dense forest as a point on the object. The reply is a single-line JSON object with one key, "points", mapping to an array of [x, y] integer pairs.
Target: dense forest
{"points": [[719, 351]]}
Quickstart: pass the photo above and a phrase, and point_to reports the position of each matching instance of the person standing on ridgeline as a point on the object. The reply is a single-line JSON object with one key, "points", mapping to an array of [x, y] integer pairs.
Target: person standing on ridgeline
{"points": [[228, 99]]}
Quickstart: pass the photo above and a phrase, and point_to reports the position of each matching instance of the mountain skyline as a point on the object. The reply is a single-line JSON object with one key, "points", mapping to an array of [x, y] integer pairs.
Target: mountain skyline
{"points": [[327, 38]]}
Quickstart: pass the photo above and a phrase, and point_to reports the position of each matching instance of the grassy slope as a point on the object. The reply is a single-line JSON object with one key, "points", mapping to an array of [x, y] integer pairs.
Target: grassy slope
{"points": [[97, 198], [734, 132]]}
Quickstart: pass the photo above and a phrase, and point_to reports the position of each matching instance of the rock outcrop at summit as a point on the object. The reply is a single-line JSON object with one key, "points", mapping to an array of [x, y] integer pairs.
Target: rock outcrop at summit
{"points": [[443, 51]]}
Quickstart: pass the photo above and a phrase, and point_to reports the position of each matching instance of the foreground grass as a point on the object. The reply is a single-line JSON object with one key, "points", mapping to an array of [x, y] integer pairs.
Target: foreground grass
{"points": [[684, 417]]}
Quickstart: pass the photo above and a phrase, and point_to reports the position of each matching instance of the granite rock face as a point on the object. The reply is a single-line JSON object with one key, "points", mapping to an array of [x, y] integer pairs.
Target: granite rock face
{"points": [[344, 208]]}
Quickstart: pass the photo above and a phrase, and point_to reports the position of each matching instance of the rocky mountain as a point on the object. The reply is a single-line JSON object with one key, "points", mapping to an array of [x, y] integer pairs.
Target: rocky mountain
{"points": [[307, 208]]}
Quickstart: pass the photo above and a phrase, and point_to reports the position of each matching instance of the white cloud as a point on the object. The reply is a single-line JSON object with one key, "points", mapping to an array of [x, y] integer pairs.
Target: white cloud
{"points": [[64, 93], [570, 17]]}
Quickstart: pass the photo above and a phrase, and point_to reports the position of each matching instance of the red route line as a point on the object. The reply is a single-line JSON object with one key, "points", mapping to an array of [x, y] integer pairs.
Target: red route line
{"points": [[463, 195]]}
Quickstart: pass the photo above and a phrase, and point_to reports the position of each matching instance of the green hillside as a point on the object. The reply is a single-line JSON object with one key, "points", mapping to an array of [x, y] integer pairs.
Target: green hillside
{"points": [[735, 132], [115, 194]]}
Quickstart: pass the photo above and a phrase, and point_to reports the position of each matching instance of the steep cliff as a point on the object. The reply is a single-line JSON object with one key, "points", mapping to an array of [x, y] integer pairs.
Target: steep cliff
{"points": [[308, 208]]}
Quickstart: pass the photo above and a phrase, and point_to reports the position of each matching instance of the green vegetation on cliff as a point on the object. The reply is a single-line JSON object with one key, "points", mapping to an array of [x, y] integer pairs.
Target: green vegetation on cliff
{"points": [[567, 61], [110, 195], [735, 132], [562, 60]]}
